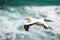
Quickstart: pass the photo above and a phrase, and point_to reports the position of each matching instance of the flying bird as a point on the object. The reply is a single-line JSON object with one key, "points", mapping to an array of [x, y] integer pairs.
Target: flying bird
{"points": [[39, 22]]}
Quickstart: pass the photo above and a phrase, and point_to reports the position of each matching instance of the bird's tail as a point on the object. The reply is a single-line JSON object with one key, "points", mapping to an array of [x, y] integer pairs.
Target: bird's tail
{"points": [[50, 28]]}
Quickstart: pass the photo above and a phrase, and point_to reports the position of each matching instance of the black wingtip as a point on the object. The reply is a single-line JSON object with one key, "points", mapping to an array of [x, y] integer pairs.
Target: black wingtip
{"points": [[48, 20], [26, 27]]}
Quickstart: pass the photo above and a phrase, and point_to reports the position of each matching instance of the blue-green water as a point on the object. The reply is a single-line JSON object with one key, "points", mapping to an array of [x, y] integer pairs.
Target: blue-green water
{"points": [[13, 13], [12, 23], [29, 2]]}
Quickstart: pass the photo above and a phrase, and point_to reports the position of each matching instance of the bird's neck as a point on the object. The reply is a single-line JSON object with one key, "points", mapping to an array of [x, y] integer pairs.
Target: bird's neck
{"points": [[32, 19]]}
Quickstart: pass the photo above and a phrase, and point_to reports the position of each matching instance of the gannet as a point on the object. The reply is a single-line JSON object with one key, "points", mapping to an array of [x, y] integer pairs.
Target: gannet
{"points": [[39, 22]]}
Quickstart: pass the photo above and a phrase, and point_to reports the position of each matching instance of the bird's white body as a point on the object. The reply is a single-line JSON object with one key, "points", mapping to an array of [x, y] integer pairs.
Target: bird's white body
{"points": [[38, 22]]}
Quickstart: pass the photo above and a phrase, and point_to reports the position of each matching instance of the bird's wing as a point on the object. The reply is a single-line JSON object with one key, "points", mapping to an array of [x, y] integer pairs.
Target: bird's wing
{"points": [[26, 26], [48, 20]]}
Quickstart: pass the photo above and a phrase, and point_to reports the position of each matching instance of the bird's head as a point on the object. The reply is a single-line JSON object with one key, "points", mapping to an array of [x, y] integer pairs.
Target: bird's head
{"points": [[29, 18]]}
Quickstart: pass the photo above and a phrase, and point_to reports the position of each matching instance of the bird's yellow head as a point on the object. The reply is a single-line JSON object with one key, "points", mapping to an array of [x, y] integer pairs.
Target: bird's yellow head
{"points": [[29, 18]]}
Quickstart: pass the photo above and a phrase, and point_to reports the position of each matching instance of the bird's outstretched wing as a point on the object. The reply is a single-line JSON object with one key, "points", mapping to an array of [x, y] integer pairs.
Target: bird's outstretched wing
{"points": [[48, 20], [26, 27]]}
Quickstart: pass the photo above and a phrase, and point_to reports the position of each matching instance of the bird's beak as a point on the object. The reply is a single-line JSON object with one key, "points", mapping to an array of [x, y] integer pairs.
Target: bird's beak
{"points": [[24, 19]]}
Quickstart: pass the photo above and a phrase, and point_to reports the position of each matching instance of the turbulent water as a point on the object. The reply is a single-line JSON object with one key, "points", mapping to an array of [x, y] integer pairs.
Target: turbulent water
{"points": [[12, 23]]}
